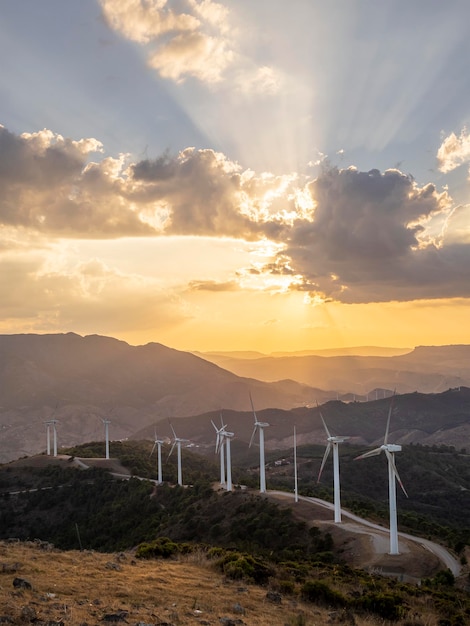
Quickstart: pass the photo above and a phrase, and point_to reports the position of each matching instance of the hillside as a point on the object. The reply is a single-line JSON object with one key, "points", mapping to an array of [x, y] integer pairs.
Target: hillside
{"points": [[427, 419], [77, 588], [80, 380], [88, 587], [266, 568]]}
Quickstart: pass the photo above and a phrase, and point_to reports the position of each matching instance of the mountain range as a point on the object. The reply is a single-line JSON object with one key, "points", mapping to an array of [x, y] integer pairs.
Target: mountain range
{"points": [[82, 380], [428, 369]]}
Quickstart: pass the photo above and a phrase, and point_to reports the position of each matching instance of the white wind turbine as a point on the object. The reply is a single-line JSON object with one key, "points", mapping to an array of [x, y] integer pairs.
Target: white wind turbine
{"points": [[158, 444], [227, 437], [260, 426], [48, 437], [106, 423], [177, 441], [53, 423], [296, 487], [223, 441], [390, 449], [219, 448], [333, 443]]}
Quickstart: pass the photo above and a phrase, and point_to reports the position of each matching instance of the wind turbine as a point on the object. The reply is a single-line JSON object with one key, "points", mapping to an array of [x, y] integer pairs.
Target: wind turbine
{"points": [[390, 449], [48, 437], [333, 443], [227, 436], [219, 447], [296, 489], [106, 423], [158, 444], [260, 426], [177, 441], [223, 441], [53, 423]]}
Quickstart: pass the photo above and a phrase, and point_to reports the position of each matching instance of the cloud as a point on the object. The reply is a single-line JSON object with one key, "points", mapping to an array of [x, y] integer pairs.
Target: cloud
{"points": [[454, 151], [38, 295], [213, 285], [199, 42], [48, 184], [145, 20], [368, 241], [347, 235], [192, 54], [203, 193]]}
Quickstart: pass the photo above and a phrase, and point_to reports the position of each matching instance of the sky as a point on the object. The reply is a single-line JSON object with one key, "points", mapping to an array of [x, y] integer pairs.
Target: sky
{"points": [[236, 175]]}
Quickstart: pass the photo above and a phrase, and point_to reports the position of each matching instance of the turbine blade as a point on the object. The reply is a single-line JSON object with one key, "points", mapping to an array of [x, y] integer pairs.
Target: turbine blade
{"points": [[172, 430], [391, 460], [172, 448], [253, 408], [325, 426], [325, 456], [374, 452], [253, 435], [216, 429], [388, 419], [154, 445]]}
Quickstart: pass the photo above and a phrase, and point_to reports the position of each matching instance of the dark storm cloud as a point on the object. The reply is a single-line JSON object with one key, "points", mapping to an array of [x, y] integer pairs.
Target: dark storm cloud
{"points": [[368, 240]]}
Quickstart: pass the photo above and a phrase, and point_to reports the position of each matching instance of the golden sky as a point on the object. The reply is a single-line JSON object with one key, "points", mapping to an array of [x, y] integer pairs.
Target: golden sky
{"points": [[250, 177]]}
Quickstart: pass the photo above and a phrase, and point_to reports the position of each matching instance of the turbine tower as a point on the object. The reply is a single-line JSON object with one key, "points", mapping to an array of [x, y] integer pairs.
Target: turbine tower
{"points": [[52, 423], [333, 443], [393, 476], [177, 441], [106, 423], [158, 444], [260, 426], [219, 448], [48, 437], [296, 484], [227, 436], [223, 442]]}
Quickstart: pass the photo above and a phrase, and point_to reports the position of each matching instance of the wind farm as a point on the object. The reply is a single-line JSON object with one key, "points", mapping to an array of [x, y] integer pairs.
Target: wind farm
{"points": [[245, 227]]}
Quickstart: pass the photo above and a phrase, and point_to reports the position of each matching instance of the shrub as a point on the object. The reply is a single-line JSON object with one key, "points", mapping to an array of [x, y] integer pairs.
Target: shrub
{"points": [[319, 592], [386, 606], [159, 548], [244, 566]]}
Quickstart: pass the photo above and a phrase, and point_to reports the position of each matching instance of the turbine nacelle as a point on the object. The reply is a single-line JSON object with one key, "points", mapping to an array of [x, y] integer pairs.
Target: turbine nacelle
{"points": [[338, 439], [391, 447]]}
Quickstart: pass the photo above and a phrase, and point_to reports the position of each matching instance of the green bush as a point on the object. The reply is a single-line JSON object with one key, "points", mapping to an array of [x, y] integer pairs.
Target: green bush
{"points": [[319, 592], [386, 606], [244, 566], [159, 548]]}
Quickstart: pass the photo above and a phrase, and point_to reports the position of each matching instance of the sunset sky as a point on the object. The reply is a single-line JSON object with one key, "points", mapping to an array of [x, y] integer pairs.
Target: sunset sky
{"points": [[251, 175]]}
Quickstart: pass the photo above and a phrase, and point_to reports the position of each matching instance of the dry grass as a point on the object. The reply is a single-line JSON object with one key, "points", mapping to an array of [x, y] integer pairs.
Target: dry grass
{"points": [[78, 588], [84, 587]]}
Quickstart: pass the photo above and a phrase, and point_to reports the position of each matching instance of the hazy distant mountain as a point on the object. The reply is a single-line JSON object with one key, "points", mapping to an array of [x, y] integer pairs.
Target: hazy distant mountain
{"points": [[80, 380], [354, 351], [427, 369]]}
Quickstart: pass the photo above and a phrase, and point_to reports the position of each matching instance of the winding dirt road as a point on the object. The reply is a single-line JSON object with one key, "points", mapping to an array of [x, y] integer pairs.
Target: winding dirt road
{"points": [[380, 535]]}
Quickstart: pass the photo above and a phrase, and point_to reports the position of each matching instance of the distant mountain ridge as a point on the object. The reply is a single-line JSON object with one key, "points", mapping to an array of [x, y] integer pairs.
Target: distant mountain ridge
{"points": [[427, 369], [80, 380]]}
